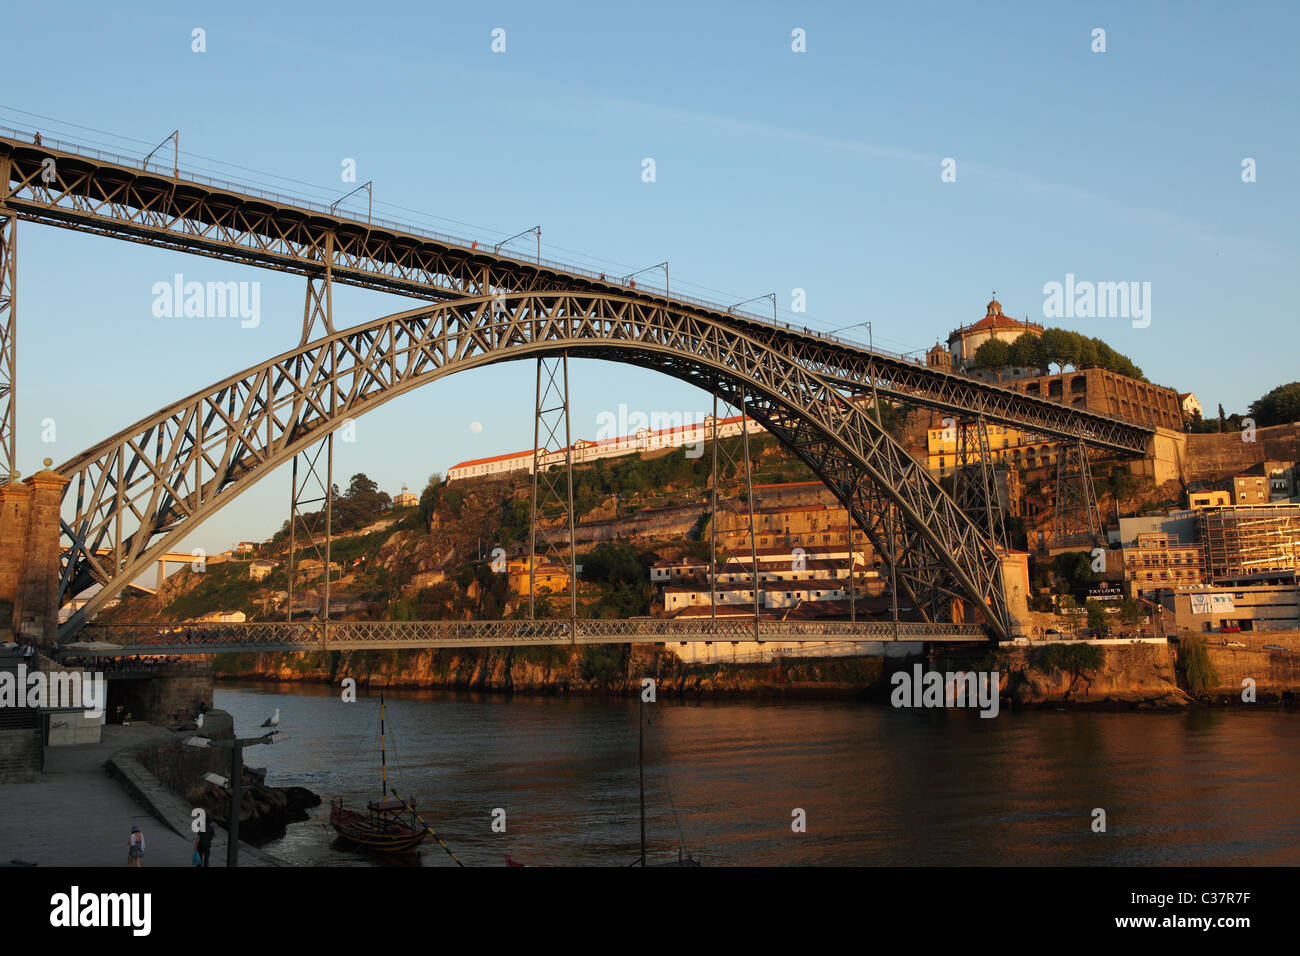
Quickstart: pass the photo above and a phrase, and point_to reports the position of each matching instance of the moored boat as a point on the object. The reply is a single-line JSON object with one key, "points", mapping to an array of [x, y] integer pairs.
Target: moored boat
{"points": [[387, 826]]}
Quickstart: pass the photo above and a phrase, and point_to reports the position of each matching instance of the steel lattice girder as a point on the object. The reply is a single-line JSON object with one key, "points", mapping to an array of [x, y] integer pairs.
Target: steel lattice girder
{"points": [[120, 200], [137, 492], [8, 342], [264, 636], [974, 480], [900, 380]]}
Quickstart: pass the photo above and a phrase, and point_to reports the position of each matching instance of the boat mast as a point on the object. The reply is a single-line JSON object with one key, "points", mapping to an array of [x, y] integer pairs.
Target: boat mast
{"points": [[383, 755], [640, 767]]}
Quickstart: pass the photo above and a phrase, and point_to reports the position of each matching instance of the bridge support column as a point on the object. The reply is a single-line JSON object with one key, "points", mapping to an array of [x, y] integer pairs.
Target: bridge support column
{"points": [[8, 335], [975, 487], [312, 488], [1015, 588], [319, 307], [552, 506], [29, 555], [744, 517], [1077, 520]]}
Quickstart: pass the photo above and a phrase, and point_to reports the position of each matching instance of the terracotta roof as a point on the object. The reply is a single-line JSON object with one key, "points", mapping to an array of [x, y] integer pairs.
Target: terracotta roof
{"points": [[990, 322], [628, 440], [485, 461], [993, 319]]}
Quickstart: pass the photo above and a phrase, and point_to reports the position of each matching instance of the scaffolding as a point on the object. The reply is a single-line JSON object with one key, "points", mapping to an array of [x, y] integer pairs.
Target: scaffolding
{"points": [[1242, 540]]}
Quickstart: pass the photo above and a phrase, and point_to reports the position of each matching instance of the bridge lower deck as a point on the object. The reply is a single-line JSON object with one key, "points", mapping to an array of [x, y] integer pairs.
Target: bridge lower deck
{"points": [[262, 637]]}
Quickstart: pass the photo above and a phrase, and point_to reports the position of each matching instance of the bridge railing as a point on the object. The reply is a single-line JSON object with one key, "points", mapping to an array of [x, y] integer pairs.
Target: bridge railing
{"points": [[317, 635]]}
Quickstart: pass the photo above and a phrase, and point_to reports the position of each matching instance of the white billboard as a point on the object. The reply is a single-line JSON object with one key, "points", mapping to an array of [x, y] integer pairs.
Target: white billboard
{"points": [[1212, 603]]}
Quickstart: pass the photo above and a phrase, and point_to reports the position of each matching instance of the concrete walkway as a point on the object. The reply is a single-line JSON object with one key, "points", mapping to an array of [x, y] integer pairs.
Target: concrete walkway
{"points": [[78, 815]]}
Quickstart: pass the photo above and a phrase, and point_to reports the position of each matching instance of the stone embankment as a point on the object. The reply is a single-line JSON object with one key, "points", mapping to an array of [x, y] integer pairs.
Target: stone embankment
{"points": [[264, 812], [1131, 674]]}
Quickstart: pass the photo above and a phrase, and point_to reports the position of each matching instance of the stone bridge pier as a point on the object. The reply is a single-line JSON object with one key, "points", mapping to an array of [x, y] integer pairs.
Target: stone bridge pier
{"points": [[29, 557]]}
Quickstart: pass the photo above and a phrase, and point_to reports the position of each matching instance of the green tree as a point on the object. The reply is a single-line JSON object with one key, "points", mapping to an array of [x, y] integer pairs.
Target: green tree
{"points": [[1075, 568], [1194, 665], [1027, 352], [1131, 612], [1077, 660], [1060, 347], [993, 355], [1096, 616], [1086, 357], [1281, 406]]}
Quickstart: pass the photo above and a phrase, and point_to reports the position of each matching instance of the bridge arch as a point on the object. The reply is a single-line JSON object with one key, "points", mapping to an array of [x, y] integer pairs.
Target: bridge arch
{"points": [[135, 494]]}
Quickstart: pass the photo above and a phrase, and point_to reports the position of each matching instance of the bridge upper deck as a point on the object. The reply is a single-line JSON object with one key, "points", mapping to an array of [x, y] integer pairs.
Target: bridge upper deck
{"points": [[152, 203]]}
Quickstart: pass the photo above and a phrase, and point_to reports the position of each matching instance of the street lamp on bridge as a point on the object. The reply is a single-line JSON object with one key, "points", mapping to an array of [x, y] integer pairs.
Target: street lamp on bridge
{"points": [[769, 295], [657, 265], [534, 229], [369, 187]]}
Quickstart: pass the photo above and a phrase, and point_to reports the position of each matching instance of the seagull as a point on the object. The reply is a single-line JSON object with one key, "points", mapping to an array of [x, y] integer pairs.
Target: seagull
{"points": [[198, 721], [273, 721]]}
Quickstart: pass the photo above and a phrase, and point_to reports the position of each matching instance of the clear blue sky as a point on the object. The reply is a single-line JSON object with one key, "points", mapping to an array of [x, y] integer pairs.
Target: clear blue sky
{"points": [[775, 170]]}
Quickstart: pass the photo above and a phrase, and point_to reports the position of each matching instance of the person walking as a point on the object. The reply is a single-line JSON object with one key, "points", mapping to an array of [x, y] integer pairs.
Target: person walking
{"points": [[203, 844], [135, 848]]}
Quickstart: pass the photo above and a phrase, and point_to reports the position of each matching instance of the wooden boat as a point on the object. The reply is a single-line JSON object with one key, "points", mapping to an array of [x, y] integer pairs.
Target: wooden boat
{"points": [[388, 826]]}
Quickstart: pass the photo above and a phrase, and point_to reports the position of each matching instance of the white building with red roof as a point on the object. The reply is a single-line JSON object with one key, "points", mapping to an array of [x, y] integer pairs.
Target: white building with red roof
{"points": [[965, 340], [691, 437]]}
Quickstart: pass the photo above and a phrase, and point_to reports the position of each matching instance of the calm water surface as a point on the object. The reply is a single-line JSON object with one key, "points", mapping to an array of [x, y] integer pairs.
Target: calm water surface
{"points": [[878, 785]]}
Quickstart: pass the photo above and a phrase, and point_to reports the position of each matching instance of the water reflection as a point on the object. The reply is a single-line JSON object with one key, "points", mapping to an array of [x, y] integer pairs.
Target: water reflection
{"points": [[878, 786]]}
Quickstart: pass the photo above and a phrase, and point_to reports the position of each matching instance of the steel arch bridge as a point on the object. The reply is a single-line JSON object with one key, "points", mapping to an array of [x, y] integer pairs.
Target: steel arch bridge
{"points": [[135, 494]]}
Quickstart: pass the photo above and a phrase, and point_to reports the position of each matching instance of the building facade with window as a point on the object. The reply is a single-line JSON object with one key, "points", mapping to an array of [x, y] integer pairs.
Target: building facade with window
{"points": [[1161, 560]]}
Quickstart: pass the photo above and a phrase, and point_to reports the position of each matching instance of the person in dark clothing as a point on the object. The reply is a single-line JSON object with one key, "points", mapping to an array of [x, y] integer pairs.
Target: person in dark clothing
{"points": [[203, 843]]}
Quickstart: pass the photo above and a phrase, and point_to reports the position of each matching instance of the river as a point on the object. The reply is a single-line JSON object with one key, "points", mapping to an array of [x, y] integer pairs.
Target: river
{"points": [[877, 786]]}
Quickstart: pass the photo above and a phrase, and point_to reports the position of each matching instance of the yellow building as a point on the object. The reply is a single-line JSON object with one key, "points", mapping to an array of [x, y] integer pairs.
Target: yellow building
{"points": [[1007, 446], [1208, 499], [810, 526], [548, 575]]}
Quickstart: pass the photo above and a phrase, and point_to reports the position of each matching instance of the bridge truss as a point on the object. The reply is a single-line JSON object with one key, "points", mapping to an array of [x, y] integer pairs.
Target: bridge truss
{"points": [[136, 493]]}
